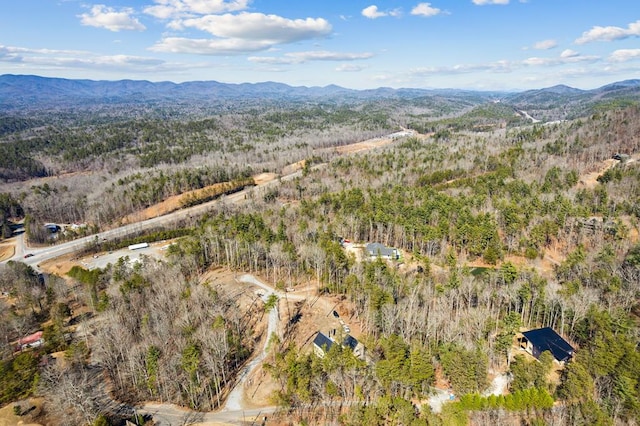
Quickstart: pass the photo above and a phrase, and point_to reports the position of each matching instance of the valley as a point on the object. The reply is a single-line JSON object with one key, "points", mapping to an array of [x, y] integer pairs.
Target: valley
{"points": [[419, 235]]}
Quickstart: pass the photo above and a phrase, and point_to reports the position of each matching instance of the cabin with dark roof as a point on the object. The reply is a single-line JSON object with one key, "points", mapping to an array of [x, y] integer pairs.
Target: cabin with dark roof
{"points": [[546, 339], [322, 344]]}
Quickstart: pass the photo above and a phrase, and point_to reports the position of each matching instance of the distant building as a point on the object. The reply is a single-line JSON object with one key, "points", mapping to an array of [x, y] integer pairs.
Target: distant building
{"points": [[382, 251], [355, 346], [546, 339], [402, 134], [52, 227], [323, 343], [31, 341]]}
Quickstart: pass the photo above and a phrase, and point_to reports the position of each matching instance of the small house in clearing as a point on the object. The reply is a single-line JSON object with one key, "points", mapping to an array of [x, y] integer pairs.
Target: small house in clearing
{"points": [[380, 250], [537, 341], [31, 341], [323, 343]]}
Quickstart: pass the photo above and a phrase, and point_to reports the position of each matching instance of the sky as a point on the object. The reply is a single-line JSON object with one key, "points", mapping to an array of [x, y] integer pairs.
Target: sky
{"points": [[461, 44]]}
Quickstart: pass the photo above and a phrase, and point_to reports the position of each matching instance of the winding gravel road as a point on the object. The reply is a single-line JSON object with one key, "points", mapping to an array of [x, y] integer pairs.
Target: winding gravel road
{"points": [[170, 414], [233, 411]]}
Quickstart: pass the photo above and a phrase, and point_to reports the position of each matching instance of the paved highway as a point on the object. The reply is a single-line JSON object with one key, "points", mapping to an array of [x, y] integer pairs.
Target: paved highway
{"points": [[39, 255], [169, 414]]}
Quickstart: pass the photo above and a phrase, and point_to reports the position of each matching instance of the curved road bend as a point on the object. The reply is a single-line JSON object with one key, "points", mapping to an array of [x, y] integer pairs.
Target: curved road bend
{"points": [[233, 411], [234, 401]]}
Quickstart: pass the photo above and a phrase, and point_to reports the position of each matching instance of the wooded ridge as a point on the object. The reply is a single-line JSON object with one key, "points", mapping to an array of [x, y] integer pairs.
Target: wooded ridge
{"points": [[507, 212]]}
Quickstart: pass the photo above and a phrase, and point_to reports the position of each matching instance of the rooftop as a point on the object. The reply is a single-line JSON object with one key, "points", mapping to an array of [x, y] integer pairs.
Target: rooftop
{"points": [[546, 339]]}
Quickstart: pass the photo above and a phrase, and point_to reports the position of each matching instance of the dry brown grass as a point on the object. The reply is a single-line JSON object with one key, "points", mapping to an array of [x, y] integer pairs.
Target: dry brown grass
{"points": [[60, 265], [7, 250], [264, 178], [7, 418], [169, 205], [590, 180]]}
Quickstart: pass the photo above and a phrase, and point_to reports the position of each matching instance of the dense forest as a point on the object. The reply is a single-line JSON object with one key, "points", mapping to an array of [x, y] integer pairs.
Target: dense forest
{"points": [[500, 209], [500, 224]]}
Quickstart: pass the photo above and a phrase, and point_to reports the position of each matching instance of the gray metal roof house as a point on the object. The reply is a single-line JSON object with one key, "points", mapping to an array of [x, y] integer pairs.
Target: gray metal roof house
{"points": [[380, 250]]}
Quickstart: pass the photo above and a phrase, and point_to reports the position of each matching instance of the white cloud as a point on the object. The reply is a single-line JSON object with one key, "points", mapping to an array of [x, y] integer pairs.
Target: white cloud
{"points": [[209, 46], [25, 50], [166, 9], [329, 56], [483, 2], [568, 53], [7, 54], [498, 66], [504, 66], [624, 55], [241, 33], [271, 29], [372, 12], [567, 56], [102, 16], [425, 9], [48, 58], [545, 45], [349, 68], [598, 33], [271, 60], [314, 55]]}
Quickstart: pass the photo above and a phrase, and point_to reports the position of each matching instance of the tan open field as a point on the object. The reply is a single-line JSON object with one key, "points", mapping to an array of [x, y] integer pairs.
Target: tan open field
{"points": [[363, 146], [7, 251], [169, 205], [8, 418]]}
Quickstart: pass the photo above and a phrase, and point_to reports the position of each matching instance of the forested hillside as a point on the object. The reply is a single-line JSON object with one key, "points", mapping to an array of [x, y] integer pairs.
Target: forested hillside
{"points": [[503, 225], [511, 201]]}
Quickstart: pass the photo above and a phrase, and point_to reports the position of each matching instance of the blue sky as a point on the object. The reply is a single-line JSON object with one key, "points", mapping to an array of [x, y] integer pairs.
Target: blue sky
{"points": [[474, 44]]}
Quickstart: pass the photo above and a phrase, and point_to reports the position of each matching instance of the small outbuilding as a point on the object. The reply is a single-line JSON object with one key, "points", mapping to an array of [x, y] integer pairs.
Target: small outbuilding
{"points": [[52, 227], [34, 340], [546, 339]]}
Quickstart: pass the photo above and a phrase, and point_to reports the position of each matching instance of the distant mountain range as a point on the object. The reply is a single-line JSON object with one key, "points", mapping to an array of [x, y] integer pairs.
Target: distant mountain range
{"points": [[33, 92]]}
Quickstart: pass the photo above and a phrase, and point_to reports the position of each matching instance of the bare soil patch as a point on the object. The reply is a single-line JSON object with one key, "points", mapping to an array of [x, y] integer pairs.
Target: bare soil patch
{"points": [[264, 178], [590, 179], [31, 408], [294, 167], [169, 205], [302, 314], [363, 146], [7, 250], [367, 145], [60, 265]]}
